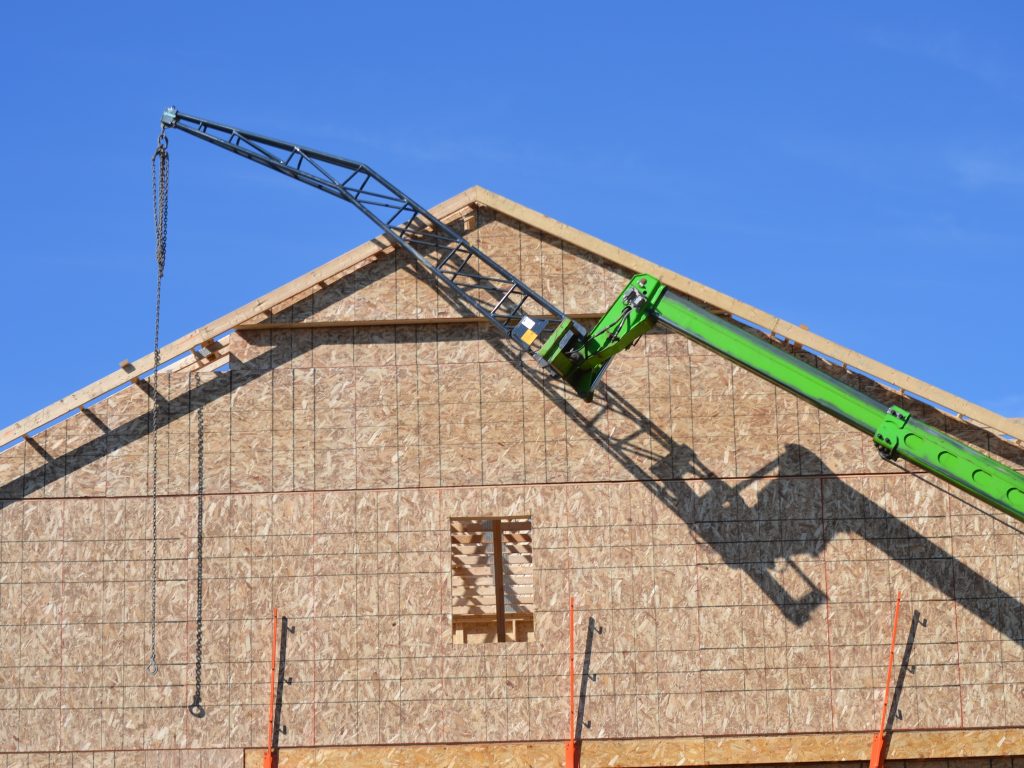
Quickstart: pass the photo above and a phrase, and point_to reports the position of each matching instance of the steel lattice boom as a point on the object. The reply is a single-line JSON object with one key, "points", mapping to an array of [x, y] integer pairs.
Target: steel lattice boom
{"points": [[581, 358], [519, 312]]}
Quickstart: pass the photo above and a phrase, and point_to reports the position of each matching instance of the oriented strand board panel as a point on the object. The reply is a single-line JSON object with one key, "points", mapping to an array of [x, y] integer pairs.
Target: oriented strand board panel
{"points": [[968, 748], [461, 212], [734, 554]]}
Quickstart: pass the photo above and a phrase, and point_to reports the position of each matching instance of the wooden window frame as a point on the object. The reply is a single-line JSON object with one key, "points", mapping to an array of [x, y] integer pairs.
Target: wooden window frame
{"points": [[468, 624]]}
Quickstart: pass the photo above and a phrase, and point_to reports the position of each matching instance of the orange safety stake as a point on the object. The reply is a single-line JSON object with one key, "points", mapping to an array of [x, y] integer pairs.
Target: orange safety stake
{"points": [[570, 745], [268, 756], [878, 743]]}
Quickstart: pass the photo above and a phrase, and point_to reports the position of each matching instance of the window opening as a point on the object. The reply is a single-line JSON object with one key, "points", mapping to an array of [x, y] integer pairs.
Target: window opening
{"points": [[492, 579]]}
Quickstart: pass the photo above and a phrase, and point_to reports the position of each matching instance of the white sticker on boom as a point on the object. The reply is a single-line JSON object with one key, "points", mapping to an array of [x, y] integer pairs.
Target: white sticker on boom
{"points": [[527, 322]]}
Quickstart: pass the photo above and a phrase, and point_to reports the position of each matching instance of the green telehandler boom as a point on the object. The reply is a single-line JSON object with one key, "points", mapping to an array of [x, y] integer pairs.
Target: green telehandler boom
{"points": [[580, 356], [646, 303]]}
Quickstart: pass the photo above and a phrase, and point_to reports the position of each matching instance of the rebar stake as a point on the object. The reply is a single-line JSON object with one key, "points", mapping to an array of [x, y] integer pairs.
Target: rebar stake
{"points": [[268, 756], [878, 743]]}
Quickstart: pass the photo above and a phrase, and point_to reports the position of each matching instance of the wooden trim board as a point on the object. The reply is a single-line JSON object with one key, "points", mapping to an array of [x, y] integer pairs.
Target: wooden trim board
{"points": [[252, 313], [401, 321], [212, 330], [775, 325], [726, 750]]}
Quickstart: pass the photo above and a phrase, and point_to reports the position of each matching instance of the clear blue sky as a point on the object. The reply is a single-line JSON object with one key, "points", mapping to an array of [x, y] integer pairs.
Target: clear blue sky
{"points": [[855, 167]]}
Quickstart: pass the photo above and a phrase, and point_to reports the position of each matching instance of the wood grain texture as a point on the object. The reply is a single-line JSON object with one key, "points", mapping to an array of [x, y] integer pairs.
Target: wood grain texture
{"points": [[216, 328], [478, 196], [792, 331], [809, 749], [737, 552]]}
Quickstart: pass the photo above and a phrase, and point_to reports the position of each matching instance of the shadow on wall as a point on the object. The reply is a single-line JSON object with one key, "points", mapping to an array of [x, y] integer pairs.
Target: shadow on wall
{"points": [[905, 668], [752, 537], [755, 537], [204, 392], [278, 728], [586, 678]]}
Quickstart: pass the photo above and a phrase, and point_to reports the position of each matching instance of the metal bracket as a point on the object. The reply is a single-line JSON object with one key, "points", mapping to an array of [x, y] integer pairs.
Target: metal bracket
{"points": [[887, 435]]}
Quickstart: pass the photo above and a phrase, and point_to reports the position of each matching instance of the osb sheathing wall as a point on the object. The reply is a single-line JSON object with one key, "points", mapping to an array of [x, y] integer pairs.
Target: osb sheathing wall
{"points": [[734, 553]]}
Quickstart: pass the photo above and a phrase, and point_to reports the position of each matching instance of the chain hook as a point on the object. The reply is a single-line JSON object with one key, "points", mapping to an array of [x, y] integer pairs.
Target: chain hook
{"points": [[161, 170], [196, 708], [161, 147]]}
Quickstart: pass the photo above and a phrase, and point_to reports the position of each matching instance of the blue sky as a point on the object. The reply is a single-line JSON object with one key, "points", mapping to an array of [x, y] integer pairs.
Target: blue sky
{"points": [[858, 168]]}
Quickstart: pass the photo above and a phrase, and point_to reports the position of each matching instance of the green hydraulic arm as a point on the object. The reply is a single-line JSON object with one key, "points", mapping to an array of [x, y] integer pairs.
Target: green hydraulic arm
{"points": [[527, 318], [646, 302]]}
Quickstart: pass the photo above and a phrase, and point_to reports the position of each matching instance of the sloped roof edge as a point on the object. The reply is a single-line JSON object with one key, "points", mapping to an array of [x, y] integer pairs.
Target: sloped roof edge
{"points": [[199, 338], [200, 344], [902, 382]]}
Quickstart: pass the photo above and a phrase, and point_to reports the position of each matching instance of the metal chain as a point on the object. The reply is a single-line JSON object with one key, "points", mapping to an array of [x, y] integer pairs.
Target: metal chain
{"points": [[161, 171], [196, 707]]}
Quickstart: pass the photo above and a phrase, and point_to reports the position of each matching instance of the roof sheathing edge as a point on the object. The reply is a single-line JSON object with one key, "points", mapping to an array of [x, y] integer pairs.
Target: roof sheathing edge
{"points": [[169, 353], [479, 196], [904, 383]]}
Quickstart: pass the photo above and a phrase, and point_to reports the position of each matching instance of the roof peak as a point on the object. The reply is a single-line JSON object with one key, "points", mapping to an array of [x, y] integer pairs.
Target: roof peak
{"points": [[201, 344]]}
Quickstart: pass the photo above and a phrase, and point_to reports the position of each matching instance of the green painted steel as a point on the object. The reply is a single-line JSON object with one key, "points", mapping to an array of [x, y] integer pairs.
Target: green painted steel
{"points": [[581, 358], [645, 303], [582, 361]]}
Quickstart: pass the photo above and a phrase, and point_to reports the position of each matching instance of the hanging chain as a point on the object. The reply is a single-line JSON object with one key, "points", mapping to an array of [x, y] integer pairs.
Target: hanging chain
{"points": [[161, 170], [196, 707]]}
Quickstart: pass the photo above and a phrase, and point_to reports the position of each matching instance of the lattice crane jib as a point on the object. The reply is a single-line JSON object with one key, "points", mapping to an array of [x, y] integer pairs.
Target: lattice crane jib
{"points": [[519, 312], [566, 349]]}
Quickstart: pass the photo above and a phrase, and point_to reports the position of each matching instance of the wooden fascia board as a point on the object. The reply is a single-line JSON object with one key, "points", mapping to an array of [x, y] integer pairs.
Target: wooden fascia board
{"points": [[743, 311], [692, 750], [218, 327], [478, 196]]}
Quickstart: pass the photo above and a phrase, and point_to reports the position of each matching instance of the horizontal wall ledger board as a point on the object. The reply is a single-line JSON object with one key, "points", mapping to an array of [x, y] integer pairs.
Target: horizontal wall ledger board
{"points": [[738, 750], [314, 325], [216, 328]]}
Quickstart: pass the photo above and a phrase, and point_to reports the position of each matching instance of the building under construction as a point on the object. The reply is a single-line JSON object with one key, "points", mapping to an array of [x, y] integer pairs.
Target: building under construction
{"points": [[419, 497]]}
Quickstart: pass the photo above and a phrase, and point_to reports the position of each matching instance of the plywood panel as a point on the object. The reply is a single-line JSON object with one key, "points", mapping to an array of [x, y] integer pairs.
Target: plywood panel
{"points": [[738, 555], [811, 750]]}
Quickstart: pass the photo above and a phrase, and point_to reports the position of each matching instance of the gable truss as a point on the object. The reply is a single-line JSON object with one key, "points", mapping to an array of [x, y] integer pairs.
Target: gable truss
{"points": [[210, 344]]}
